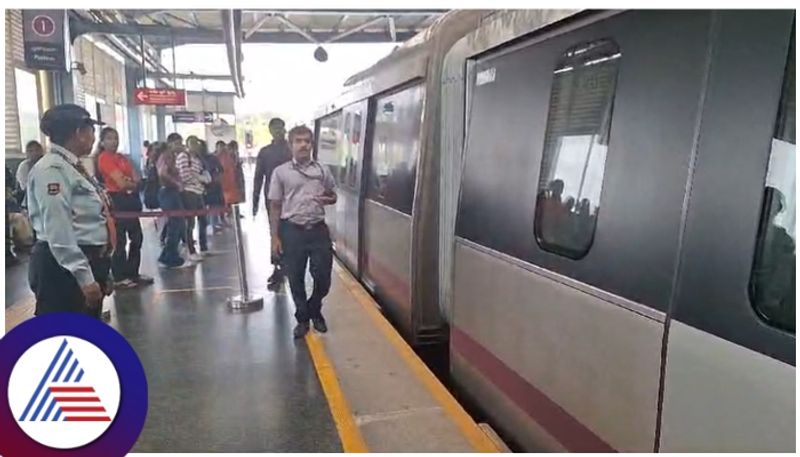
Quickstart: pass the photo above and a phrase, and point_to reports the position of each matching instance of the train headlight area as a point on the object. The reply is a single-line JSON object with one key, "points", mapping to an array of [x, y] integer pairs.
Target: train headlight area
{"points": [[555, 230]]}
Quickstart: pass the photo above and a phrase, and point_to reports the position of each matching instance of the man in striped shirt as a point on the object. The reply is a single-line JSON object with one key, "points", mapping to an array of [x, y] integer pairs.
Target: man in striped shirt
{"points": [[193, 177]]}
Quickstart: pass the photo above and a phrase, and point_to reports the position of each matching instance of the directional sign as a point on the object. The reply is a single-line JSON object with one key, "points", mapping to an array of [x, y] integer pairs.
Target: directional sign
{"points": [[44, 34], [163, 97], [192, 116]]}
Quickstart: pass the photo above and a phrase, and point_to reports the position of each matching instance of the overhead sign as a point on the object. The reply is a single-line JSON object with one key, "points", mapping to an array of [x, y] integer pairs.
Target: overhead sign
{"points": [[44, 34], [163, 97], [192, 116]]}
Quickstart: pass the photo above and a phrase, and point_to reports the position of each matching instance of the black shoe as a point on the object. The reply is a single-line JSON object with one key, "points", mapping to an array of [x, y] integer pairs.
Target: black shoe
{"points": [[274, 282], [300, 330], [319, 325]]}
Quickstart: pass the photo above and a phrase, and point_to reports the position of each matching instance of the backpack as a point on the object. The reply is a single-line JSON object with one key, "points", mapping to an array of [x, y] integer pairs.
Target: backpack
{"points": [[151, 186]]}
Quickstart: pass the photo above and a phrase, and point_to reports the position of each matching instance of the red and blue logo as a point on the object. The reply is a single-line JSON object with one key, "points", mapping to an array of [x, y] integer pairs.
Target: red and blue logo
{"points": [[74, 387]]}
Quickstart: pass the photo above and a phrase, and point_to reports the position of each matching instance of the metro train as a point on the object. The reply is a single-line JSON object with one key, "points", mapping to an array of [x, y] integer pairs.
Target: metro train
{"points": [[595, 210]]}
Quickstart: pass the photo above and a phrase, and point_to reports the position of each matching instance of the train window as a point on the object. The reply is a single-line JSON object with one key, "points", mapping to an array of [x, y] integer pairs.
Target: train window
{"points": [[772, 280], [395, 148], [575, 147], [329, 146]]}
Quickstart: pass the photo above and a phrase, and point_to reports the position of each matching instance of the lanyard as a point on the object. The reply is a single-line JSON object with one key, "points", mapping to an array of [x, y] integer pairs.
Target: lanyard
{"points": [[321, 171], [111, 225]]}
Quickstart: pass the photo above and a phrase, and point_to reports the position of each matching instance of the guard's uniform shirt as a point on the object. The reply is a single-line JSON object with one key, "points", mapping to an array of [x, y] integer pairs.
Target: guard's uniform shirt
{"points": [[67, 212]]}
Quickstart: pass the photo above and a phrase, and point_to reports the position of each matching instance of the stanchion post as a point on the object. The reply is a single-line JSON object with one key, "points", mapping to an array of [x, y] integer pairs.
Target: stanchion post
{"points": [[244, 299]]}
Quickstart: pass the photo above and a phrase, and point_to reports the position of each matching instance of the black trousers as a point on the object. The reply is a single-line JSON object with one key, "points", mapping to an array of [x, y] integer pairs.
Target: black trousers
{"points": [[56, 289], [127, 258], [195, 201], [302, 245]]}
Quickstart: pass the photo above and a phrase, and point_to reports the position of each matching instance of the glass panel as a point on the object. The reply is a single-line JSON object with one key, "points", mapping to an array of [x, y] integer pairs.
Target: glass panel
{"points": [[772, 282], [27, 106], [395, 148], [575, 149], [330, 151], [351, 143]]}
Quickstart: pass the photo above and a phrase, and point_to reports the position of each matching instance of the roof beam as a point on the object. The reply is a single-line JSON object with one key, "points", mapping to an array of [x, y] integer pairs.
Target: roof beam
{"points": [[340, 22], [191, 76], [334, 12], [181, 20], [294, 27], [205, 36], [257, 26], [356, 29], [392, 29]]}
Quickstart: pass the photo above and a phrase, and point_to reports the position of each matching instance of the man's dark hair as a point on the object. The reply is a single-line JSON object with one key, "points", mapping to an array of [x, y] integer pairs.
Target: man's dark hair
{"points": [[220, 143], [33, 143], [300, 130], [275, 121], [175, 136]]}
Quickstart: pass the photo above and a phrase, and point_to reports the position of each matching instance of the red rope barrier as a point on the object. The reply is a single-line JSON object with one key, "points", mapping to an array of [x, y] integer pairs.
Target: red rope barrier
{"points": [[170, 213]]}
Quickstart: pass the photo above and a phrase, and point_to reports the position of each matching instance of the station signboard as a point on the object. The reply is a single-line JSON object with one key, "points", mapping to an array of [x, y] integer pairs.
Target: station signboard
{"points": [[205, 117], [162, 97], [44, 33]]}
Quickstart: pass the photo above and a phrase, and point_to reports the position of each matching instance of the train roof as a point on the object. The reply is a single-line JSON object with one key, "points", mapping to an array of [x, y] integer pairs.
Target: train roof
{"points": [[409, 60]]}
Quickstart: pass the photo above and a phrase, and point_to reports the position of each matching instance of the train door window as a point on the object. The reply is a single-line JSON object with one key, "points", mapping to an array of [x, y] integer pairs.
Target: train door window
{"points": [[575, 147], [329, 146], [772, 280], [352, 142], [395, 148]]}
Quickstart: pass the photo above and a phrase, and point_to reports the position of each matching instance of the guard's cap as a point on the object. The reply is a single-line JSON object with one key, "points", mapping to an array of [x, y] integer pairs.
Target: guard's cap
{"points": [[65, 117]]}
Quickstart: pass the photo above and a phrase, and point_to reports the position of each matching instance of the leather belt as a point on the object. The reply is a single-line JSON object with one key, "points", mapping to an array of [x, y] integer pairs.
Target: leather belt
{"points": [[306, 226]]}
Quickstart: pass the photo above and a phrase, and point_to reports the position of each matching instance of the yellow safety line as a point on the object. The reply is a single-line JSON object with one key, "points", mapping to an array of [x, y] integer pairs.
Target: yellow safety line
{"points": [[349, 433], [476, 437]]}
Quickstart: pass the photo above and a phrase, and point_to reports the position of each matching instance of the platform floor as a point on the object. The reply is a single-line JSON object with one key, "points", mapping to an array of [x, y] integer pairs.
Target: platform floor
{"points": [[238, 382]]}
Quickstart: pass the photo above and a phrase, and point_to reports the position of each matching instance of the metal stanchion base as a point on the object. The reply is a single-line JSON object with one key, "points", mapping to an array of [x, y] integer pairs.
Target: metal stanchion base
{"points": [[240, 303]]}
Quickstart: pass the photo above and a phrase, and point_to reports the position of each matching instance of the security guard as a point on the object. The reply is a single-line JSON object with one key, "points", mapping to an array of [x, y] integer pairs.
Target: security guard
{"points": [[70, 263]]}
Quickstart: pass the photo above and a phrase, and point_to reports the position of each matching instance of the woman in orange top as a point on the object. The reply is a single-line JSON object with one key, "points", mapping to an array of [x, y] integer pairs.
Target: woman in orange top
{"points": [[230, 185], [122, 183]]}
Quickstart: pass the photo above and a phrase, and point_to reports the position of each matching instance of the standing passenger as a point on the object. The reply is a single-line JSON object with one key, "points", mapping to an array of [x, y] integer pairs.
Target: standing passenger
{"points": [[169, 198], [269, 158], [298, 193], [190, 168], [69, 267], [33, 152], [122, 183]]}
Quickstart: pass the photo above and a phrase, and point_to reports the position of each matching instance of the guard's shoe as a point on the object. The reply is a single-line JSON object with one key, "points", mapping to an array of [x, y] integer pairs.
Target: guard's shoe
{"points": [[300, 330], [320, 326]]}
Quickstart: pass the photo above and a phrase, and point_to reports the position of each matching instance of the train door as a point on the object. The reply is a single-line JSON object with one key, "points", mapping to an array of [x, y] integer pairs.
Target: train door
{"points": [[331, 153], [352, 143], [395, 122], [729, 378]]}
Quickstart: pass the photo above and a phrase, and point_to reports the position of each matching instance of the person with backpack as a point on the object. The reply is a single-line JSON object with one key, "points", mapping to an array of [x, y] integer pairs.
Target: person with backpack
{"points": [[214, 197]]}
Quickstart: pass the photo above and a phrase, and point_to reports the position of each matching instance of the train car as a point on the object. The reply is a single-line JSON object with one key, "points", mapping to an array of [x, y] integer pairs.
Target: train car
{"points": [[380, 143], [622, 275], [599, 211]]}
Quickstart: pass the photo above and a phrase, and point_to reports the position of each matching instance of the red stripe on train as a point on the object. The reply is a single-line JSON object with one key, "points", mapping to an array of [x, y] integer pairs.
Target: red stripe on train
{"points": [[566, 429]]}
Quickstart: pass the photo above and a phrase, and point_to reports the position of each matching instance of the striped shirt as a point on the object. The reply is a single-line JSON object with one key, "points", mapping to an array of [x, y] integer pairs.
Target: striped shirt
{"points": [[189, 169]]}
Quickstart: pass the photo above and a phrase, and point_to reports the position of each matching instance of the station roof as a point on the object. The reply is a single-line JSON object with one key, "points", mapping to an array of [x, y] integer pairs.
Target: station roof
{"points": [[137, 32]]}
